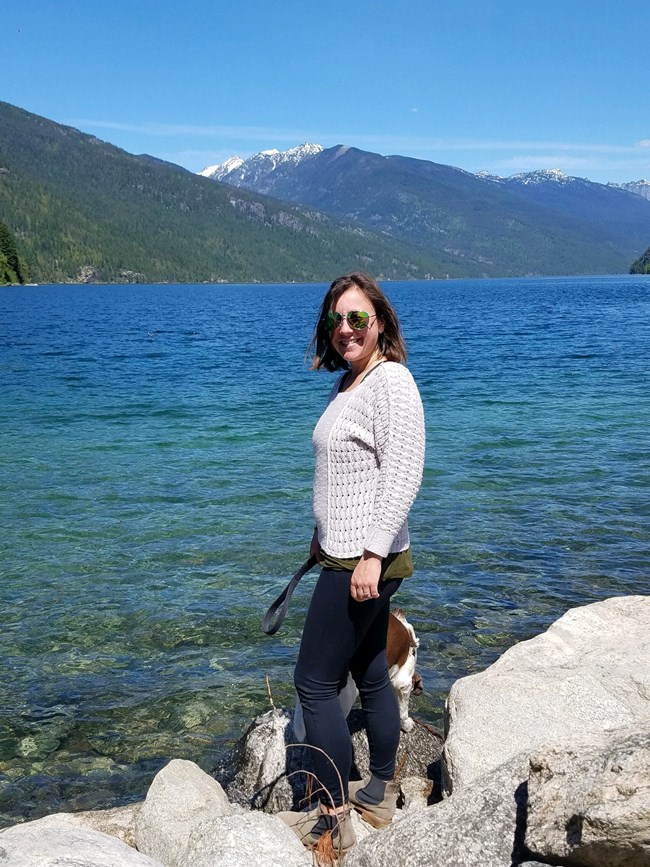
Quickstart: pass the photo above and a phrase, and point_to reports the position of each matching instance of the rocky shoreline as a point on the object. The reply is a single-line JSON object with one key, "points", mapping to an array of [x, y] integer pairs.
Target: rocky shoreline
{"points": [[546, 760]]}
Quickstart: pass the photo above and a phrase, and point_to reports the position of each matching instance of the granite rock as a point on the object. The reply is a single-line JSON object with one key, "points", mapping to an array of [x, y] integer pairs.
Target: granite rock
{"points": [[180, 797], [589, 805], [117, 822], [269, 770], [56, 842], [482, 825], [252, 839], [588, 672]]}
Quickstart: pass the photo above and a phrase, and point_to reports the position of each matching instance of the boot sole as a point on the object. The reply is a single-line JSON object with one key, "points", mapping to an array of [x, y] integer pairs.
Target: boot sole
{"points": [[370, 818]]}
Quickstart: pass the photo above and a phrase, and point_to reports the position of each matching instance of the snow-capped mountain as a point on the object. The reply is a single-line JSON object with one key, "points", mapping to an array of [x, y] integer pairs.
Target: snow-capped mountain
{"points": [[254, 171], [260, 172], [479, 224]]}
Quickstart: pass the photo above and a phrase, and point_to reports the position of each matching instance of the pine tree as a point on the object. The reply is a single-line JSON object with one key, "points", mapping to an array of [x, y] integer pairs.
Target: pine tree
{"points": [[12, 268]]}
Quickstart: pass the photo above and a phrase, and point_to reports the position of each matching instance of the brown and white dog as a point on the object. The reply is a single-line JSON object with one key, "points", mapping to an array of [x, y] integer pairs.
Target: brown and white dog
{"points": [[402, 651]]}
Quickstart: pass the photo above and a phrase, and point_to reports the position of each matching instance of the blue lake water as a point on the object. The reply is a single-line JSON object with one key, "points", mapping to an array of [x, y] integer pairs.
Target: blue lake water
{"points": [[155, 496]]}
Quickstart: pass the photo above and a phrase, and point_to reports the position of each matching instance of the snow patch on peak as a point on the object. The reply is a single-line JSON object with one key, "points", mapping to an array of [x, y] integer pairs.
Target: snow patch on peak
{"points": [[541, 176], [488, 176], [257, 169], [222, 169]]}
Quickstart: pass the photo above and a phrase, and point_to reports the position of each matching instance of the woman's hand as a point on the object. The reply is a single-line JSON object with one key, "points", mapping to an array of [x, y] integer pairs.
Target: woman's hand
{"points": [[365, 578], [314, 548]]}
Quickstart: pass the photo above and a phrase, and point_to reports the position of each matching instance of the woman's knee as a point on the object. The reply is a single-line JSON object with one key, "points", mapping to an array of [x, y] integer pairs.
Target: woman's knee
{"points": [[302, 680]]}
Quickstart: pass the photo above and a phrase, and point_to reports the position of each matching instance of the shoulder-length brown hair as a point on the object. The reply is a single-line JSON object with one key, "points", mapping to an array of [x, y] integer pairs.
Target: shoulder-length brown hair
{"points": [[390, 344]]}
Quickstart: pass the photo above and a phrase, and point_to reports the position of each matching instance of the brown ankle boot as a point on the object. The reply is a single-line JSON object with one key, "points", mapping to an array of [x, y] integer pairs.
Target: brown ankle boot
{"points": [[378, 815], [302, 824]]}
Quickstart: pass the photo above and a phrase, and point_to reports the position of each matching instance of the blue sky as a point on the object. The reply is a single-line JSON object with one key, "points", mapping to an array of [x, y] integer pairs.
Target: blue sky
{"points": [[496, 85]]}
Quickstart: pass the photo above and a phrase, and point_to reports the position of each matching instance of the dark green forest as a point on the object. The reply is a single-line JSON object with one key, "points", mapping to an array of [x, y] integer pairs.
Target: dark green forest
{"points": [[642, 264], [87, 211], [13, 268]]}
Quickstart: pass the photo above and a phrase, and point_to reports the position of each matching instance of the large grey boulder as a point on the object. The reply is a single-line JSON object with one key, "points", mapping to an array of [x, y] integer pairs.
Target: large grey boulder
{"points": [[482, 825], [266, 768], [116, 822], [251, 839], [590, 805], [56, 842], [590, 671], [180, 797], [269, 770]]}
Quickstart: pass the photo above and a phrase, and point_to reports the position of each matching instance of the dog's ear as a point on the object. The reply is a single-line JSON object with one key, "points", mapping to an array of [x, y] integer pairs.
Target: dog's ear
{"points": [[417, 683]]}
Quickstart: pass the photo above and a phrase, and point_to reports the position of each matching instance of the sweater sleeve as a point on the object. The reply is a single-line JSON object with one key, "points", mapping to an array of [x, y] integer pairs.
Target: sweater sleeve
{"points": [[399, 442]]}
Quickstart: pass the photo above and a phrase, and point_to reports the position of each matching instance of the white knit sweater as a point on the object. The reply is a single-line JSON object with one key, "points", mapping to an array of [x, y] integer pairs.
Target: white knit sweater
{"points": [[369, 446]]}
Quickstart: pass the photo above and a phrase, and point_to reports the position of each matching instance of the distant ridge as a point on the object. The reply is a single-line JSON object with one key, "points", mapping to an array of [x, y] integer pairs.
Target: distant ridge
{"points": [[542, 222]]}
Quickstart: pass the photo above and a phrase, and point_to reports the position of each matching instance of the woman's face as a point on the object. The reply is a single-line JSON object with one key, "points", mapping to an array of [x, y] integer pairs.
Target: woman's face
{"points": [[356, 346]]}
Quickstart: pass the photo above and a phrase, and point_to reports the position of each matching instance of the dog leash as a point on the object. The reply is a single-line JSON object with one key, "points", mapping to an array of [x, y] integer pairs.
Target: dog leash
{"points": [[281, 604]]}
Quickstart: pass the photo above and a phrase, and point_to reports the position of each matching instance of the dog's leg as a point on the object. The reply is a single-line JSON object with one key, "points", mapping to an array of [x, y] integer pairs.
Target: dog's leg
{"points": [[299, 732], [402, 680], [406, 723]]}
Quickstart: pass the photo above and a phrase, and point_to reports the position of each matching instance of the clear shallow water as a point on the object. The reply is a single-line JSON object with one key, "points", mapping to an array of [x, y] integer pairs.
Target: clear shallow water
{"points": [[155, 484]]}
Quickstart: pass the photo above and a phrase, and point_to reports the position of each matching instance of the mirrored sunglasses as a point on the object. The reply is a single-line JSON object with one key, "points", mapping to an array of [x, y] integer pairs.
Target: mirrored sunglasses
{"points": [[357, 319]]}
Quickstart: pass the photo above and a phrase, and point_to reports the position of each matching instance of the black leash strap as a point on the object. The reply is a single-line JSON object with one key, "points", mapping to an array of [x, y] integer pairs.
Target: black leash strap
{"points": [[282, 602]]}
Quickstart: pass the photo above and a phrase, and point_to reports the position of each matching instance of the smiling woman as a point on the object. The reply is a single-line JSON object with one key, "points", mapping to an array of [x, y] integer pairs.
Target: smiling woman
{"points": [[369, 446]]}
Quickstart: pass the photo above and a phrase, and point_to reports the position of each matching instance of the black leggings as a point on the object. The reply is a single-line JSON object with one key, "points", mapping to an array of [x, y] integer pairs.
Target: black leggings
{"points": [[342, 636]]}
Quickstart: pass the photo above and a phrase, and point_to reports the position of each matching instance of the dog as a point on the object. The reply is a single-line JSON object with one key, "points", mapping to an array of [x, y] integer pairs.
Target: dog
{"points": [[402, 650]]}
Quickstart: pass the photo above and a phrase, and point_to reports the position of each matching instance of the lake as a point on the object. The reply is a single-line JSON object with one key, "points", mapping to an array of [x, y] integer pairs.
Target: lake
{"points": [[155, 497]]}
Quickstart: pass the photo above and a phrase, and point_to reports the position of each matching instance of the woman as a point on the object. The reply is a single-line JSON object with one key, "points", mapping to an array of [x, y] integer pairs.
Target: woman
{"points": [[369, 447]]}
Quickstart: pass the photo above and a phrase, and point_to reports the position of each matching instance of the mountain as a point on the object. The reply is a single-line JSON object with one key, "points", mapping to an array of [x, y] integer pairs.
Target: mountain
{"points": [[618, 215], [83, 210], [254, 171], [479, 225], [641, 188]]}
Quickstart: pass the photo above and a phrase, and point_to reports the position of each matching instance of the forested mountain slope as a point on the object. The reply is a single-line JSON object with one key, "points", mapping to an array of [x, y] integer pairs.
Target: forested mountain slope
{"points": [[82, 209]]}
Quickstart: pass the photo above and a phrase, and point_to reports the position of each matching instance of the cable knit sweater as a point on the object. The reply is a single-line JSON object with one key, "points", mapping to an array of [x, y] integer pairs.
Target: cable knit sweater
{"points": [[369, 447]]}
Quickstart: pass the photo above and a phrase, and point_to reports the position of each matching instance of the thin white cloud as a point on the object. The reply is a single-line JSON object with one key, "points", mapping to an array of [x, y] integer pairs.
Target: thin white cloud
{"points": [[410, 143], [499, 156], [207, 131]]}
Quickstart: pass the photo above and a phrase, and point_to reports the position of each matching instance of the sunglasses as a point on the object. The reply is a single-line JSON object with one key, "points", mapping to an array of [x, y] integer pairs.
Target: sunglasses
{"points": [[356, 319]]}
